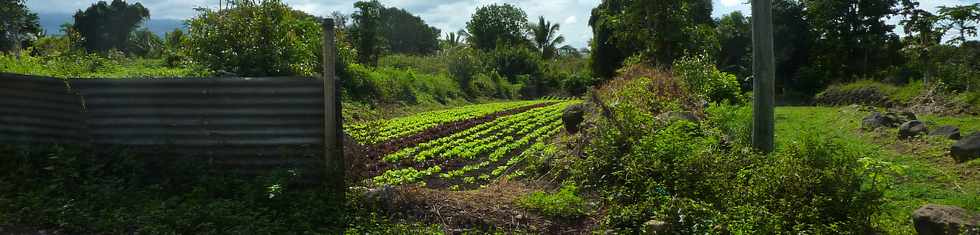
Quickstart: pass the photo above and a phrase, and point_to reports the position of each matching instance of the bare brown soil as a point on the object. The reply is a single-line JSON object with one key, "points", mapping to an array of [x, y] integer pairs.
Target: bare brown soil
{"points": [[488, 209]]}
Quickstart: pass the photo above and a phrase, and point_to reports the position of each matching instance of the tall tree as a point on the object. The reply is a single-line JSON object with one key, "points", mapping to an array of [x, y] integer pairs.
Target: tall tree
{"points": [[700, 11], [856, 40], [18, 27], [407, 33], [963, 19], [546, 37], [340, 20], [367, 31], [735, 36], [658, 31], [143, 42], [568, 51], [922, 35], [792, 49], [919, 24], [106, 26], [493, 24], [453, 39]]}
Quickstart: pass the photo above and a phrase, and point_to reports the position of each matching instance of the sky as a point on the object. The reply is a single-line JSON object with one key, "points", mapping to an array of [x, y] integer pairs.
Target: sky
{"points": [[447, 15]]}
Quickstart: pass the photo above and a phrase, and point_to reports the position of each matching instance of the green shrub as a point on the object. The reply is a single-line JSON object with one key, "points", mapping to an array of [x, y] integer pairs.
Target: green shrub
{"points": [[79, 65], [256, 38], [700, 175], [513, 62], [483, 86], [387, 85], [82, 191], [433, 64], [561, 204], [704, 79]]}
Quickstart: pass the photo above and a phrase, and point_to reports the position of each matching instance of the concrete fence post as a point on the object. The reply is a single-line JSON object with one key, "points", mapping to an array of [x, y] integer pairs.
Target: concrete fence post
{"points": [[764, 73], [332, 120]]}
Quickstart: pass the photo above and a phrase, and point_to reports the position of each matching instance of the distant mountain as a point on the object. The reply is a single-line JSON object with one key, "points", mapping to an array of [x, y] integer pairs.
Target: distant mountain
{"points": [[51, 23]]}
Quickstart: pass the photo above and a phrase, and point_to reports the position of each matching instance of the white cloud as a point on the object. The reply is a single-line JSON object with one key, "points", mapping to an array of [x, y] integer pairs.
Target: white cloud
{"points": [[729, 3], [570, 20]]}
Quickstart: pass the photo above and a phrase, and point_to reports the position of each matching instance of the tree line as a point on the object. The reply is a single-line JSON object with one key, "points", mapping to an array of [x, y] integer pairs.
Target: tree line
{"points": [[820, 42]]}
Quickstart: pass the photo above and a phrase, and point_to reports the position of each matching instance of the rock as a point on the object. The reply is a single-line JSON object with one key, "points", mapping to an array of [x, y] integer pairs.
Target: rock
{"points": [[572, 117], [942, 220], [967, 148], [912, 129], [384, 196], [655, 227], [673, 116], [876, 120], [893, 120], [908, 116], [721, 229], [949, 132]]}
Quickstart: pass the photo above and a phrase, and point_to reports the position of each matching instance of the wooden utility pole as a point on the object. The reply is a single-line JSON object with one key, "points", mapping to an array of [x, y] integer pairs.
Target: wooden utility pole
{"points": [[332, 121], [763, 71]]}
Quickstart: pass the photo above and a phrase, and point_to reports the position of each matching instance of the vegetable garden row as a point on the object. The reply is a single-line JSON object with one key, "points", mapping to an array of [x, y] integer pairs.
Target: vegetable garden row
{"points": [[465, 158]]}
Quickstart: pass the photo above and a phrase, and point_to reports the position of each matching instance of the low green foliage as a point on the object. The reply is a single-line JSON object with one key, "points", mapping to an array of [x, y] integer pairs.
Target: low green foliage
{"points": [[78, 191], [80, 65], [702, 176], [81, 191], [911, 179], [703, 79], [390, 86], [563, 204]]}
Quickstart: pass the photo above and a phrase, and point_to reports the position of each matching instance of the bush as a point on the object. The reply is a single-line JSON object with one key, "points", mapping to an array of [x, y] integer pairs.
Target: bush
{"points": [[561, 204], [434, 64], [79, 65], [702, 78], [513, 62], [399, 86], [256, 38], [463, 65], [697, 176], [79, 191], [484, 86], [816, 184]]}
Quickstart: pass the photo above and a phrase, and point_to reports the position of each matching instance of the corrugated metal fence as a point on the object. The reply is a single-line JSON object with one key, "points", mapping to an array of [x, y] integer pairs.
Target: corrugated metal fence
{"points": [[245, 125], [38, 110]]}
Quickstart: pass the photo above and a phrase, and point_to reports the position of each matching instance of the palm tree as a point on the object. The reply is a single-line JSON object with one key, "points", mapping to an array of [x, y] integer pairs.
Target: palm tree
{"points": [[546, 37], [453, 39]]}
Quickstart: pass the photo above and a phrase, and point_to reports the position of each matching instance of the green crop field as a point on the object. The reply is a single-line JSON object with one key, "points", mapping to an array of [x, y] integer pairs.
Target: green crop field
{"points": [[469, 157]]}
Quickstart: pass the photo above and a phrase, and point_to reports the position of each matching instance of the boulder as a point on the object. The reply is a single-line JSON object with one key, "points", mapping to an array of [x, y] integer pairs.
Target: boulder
{"points": [[912, 129], [572, 117], [933, 219], [907, 116], [384, 196], [949, 132], [655, 227], [876, 120], [967, 148]]}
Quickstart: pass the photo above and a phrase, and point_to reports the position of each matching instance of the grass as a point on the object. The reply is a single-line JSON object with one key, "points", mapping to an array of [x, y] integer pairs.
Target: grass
{"points": [[967, 124], [562, 204], [927, 175], [93, 66], [901, 94]]}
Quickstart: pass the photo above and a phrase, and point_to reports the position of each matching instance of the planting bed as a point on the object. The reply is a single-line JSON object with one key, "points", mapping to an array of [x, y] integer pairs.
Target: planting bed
{"points": [[462, 153]]}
